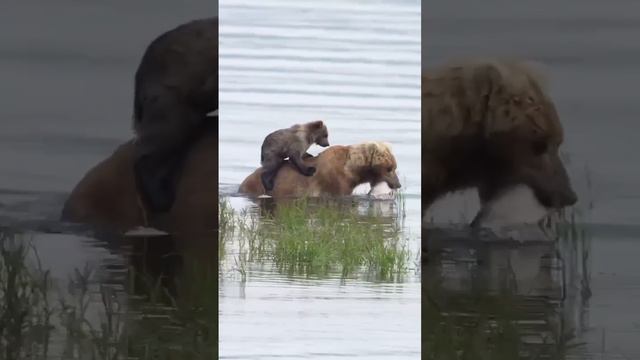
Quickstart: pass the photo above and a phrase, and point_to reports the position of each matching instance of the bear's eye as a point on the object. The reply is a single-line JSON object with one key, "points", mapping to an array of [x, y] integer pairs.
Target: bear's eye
{"points": [[389, 169], [539, 147]]}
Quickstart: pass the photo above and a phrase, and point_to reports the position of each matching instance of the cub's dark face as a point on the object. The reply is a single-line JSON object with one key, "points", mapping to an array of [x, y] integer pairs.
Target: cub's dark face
{"points": [[323, 139], [319, 133]]}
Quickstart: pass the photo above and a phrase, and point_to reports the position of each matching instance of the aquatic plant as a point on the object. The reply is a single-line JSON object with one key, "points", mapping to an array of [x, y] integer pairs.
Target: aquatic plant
{"points": [[25, 306], [318, 238], [155, 323]]}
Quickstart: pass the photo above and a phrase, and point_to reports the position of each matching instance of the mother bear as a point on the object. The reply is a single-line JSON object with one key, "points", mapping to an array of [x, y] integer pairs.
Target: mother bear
{"points": [[339, 169], [490, 125]]}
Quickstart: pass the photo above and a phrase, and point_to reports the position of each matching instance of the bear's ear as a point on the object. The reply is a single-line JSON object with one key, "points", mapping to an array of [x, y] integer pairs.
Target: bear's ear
{"points": [[316, 124]]}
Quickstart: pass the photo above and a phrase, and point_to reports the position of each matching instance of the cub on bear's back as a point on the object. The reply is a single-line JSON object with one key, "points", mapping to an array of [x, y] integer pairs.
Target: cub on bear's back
{"points": [[339, 170], [292, 143]]}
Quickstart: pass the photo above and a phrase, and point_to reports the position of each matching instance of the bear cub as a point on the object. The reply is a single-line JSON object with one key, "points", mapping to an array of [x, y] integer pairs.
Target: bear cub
{"points": [[291, 143]]}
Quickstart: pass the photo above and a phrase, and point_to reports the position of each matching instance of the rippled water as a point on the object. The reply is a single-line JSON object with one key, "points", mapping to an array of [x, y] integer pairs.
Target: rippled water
{"points": [[589, 51], [355, 65]]}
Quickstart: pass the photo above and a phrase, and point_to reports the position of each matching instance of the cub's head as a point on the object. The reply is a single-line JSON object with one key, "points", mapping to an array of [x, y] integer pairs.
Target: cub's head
{"points": [[522, 135], [373, 162], [318, 132]]}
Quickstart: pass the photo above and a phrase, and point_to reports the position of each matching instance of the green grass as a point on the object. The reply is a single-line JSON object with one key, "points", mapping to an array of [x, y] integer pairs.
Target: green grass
{"points": [[153, 324], [318, 238], [25, 306]]}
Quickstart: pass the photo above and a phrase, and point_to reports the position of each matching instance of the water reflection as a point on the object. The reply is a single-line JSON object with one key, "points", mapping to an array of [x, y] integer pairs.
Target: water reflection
{"points": [[146, 296], [505, 299]]}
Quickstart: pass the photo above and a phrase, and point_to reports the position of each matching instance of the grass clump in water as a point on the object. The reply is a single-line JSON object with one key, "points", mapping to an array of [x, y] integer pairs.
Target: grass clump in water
{"points": [[311, 240], [25, 309], [98, 321], [301, 237]]}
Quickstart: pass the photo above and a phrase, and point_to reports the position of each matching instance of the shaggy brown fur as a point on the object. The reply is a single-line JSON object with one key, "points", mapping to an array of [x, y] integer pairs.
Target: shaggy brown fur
{"points": [[489, 125], [292, 143], [339, 170]]}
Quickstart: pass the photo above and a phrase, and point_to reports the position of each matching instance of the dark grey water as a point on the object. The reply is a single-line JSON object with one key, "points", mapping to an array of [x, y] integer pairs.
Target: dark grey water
{"points": [[590, 53]]}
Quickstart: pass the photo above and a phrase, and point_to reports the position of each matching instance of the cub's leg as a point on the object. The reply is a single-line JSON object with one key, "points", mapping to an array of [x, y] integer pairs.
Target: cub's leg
{"points": [[164, 135], [270, 170], [302, 168]]}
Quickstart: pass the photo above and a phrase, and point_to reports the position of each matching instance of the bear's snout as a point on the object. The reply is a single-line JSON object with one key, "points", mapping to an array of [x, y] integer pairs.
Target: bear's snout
{"points": [[393, 181]]}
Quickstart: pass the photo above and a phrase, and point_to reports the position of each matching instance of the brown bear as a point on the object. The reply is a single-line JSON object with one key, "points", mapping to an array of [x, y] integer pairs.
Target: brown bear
{"points": [[490, 125], [292, 143], [339, 170]]}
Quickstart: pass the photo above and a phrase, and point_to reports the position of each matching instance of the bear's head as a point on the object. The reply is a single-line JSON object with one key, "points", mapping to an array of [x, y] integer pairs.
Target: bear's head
{"points": [[318, 133], [522, 135], [373, 162]]}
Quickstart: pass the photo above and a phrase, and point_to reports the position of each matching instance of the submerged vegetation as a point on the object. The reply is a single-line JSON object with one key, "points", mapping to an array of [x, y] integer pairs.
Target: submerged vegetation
{"points": [[303, 237], [88, 320]]}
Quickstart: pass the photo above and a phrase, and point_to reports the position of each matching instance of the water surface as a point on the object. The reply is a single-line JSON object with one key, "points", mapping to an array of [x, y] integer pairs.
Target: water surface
{"points": [[356, 66]]}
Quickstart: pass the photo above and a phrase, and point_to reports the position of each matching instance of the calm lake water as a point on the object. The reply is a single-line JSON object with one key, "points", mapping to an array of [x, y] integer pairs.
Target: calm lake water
{"points": [[590, 54], [355, 65]]}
